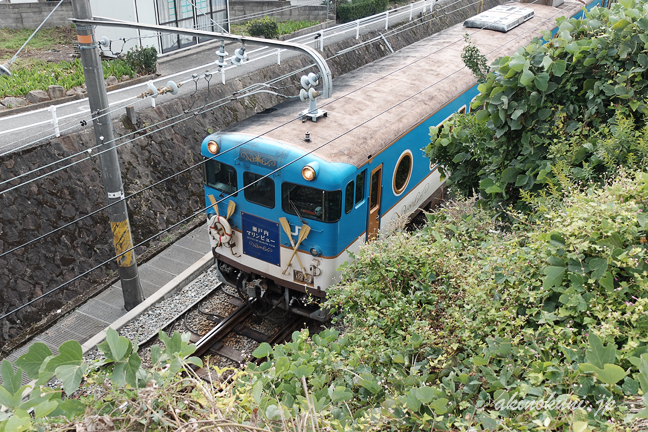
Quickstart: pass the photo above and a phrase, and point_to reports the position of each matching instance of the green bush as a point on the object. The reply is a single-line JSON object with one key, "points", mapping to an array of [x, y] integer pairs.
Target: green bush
{"points": [[266, 27], [359, 9], [142, 60], [576, 102]]}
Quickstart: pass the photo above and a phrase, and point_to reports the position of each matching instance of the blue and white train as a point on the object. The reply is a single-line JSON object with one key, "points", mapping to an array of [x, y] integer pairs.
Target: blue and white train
{"points": [[294, 197]]}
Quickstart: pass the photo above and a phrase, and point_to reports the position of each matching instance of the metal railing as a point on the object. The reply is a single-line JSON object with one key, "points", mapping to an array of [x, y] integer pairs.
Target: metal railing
{"points": [[316, 39]]}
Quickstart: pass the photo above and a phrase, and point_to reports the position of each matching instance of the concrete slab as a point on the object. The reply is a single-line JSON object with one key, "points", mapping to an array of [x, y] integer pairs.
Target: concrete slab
{"points": [[183, 255], [101, 311], [155, 275]]}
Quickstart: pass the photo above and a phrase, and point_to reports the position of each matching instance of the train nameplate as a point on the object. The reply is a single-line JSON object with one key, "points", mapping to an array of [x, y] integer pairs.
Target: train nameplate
{"points": [[261, 238], [258, 158]]}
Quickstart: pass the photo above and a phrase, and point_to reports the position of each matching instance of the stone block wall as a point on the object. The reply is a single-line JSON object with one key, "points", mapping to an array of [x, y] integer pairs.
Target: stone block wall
{"points": [[147, 155], [16, 16]]}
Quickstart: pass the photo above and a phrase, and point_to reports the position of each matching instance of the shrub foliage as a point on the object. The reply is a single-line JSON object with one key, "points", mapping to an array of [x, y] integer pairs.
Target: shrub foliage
{"points": [[562, 102], [359, 9]]}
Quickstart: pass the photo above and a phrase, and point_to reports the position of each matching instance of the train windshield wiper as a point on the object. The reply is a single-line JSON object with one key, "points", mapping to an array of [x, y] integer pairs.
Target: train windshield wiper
{"points": [[296, 211]]}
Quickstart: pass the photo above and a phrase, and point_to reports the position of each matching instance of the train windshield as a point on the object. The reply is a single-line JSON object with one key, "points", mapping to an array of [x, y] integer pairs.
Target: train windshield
{"points": [[262, 192], [311, 203], [220, 176]]}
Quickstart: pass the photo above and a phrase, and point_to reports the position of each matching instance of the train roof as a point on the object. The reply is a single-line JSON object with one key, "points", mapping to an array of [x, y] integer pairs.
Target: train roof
{"points": [[380, 102]]}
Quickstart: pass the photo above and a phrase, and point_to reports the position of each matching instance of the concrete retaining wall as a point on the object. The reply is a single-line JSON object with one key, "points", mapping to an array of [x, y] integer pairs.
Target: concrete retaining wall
{"points": [[16, 16], [150, 155], [304, 13]]}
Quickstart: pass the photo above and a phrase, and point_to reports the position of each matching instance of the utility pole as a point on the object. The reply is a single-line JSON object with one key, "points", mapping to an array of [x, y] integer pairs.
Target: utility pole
{"points": [[110, 171]]}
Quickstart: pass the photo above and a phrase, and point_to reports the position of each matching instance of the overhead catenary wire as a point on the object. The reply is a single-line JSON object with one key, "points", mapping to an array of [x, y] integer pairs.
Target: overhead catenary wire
{"points": [[376, 18], [87, 150], [261, 178]]}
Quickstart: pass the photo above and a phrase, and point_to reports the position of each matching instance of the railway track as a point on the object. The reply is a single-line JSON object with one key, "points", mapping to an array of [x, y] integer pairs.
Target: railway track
{"points": [[226, 329]]}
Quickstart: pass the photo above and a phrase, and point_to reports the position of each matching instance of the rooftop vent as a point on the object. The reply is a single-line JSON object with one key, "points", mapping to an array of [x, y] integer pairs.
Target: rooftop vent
{"points": [[500, 18]]}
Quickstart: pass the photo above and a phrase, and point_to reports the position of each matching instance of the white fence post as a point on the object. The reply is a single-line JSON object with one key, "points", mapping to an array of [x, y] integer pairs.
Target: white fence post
{"points": [[321, 40], [55, 121], [278, 57], [424, 5], [411, 10], [223, 75], [357, 29], [387, 20]]}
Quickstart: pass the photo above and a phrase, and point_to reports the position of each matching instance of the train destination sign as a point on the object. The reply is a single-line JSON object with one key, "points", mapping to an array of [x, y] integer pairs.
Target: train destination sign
{"points": [[258, 158], [261, 238]]}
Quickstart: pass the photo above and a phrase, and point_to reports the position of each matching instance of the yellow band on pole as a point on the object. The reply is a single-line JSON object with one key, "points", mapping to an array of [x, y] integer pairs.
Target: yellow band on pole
{"points": [[123, 242]]}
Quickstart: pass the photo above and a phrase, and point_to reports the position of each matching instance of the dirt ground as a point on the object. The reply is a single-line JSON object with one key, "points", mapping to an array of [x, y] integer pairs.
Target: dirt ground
{"points": [[60, 49]]}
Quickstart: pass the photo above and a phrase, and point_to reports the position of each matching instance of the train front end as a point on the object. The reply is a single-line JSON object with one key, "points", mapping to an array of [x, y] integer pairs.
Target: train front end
{"points": [[274, 215]]}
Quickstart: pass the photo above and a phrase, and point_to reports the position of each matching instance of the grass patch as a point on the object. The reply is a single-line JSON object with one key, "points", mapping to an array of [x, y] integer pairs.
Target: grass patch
{"points": [[45, 39]]}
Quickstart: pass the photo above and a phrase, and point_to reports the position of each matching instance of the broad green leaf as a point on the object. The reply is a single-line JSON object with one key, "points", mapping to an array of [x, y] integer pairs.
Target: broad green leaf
{"points": [[172, 344], [425, 394], [70, 353], [557, 239], [71, 408], [33, 359], [598, 266], [480, 361], [412, 401], [597, 354], [11, 379], [71, 376], [282, 365], [17, 424], [526, 77], [131, 368], [554, 276], [340, 394], [643, 375], [580, 426], [544, 114], [517, 63], [546, 62], [273, 412], [494, 189], [542, 81], [509, 175], [607, 281], [621, 24], [262, 350], [10, 400], [303, 371], [610, 374], [256, 391], [45, 408], [440, 406], [119, 345]]}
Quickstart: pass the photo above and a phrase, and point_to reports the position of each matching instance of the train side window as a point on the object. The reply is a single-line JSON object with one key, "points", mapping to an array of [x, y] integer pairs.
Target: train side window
{"points": [[311, 203], [403, 172], [348, 197], [262, 192], [375, 187], [220, 176], [360, 187]]}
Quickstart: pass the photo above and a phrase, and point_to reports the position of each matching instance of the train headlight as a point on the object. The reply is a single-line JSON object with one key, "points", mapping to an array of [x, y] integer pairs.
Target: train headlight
{"points": [[213, 147], [315, 251], [310, 171]]}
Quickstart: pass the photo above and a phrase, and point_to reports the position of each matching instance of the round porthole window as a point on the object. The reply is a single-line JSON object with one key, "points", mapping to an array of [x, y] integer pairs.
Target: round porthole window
{"points": [[403, 172]]}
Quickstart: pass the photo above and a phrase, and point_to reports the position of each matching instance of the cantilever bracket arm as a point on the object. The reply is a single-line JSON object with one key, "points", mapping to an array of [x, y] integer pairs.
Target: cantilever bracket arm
{"points": [[325, 72]]}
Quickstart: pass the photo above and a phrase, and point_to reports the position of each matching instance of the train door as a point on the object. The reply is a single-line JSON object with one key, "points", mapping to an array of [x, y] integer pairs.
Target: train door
{"points": [[375, 188]]}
